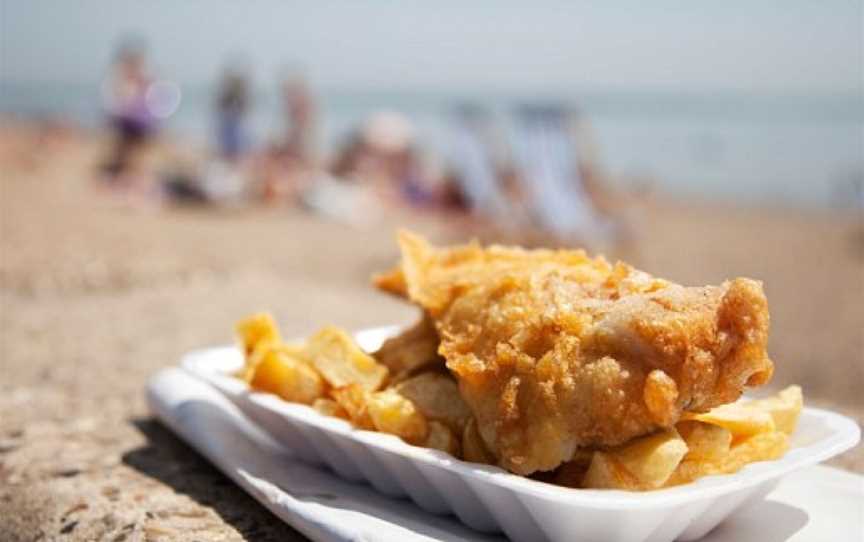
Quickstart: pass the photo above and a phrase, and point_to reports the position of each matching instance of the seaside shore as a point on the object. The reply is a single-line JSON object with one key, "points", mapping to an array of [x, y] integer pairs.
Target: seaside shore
{"points": [[96, 298]]}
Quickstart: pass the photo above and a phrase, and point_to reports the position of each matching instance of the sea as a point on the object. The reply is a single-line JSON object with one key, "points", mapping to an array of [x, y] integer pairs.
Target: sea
{"points": [[787, 150]]}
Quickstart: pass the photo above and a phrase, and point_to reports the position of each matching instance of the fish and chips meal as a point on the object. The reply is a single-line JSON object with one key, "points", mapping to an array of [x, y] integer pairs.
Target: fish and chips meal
{"points": [[549, 364]]}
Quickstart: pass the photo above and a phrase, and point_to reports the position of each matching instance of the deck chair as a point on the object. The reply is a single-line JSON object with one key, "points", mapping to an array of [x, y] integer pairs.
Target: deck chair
{"points": [[546, 153], [470, 157]]}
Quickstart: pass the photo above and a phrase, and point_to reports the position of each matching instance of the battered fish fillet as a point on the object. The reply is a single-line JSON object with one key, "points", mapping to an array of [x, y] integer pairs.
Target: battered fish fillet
{"points": [[555, 351]]}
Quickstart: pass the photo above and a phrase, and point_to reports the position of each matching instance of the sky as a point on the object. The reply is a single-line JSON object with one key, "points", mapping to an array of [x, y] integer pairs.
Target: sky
{"points": [[792, 46]]}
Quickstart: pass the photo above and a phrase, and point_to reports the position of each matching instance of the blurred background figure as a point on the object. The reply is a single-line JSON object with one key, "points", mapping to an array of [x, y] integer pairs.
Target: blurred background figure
{"points": [[388, 143], [125, 94], [301, 130], [376, 170], [232, 108], [352, 160], [290, 164], [220, 177]]}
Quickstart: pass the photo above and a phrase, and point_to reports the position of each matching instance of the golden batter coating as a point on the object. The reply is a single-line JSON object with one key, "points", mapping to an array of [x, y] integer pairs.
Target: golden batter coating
{"points": [[554, 350]]}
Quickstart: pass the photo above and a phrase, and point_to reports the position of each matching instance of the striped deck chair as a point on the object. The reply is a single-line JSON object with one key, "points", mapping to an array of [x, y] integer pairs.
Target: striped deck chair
{"points": [[469, 155], [546, 153]]}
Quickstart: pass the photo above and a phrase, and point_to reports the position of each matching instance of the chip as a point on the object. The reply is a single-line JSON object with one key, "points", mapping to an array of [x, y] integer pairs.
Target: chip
{"points": [[737, 418], [437, 397], [341, 362], [784, 408], [253, 359], [329, 407], [290, 378], [354, 399], [255, 329], [704, 441], [473, 447], [650, 460], [441, 437], [691, 469], [607, 473], [261, 350], [392, 413], [759, 447]]}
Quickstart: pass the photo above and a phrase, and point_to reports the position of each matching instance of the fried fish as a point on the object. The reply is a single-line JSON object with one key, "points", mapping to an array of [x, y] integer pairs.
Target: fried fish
{"points": [[556, 351]]}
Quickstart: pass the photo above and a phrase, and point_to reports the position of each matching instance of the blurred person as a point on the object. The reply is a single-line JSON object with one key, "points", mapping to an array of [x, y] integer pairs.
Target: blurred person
{"points": [[131, 119], [346, 193], [391, 162], [451, 196], [300, 119], [414, 180], [289, 165], [381, 161], [232, 107], [221, 179], [411, 181], [281, 176], [353, 158]]}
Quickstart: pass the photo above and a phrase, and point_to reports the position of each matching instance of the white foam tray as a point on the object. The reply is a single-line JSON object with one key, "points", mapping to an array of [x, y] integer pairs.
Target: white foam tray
{"points": [[490, 499]]}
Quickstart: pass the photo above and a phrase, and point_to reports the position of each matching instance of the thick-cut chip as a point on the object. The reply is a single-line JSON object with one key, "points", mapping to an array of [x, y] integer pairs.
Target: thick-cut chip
{"points": [[261, 350], [473, 447], [653, 458], [692, 469], [704, 441], [736, 417], [355, 401], [411, 351], [645, 463], [441, 437], [605, 472], [253, 358], [255, 329], [341, 362], [290, 378], [393, 413], [329, 407], [437, 397], [785, 407], [759, 447]]}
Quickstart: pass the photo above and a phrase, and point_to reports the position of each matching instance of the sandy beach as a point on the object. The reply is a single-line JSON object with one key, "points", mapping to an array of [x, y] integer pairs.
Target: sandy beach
{"points": [[97, 297]]}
